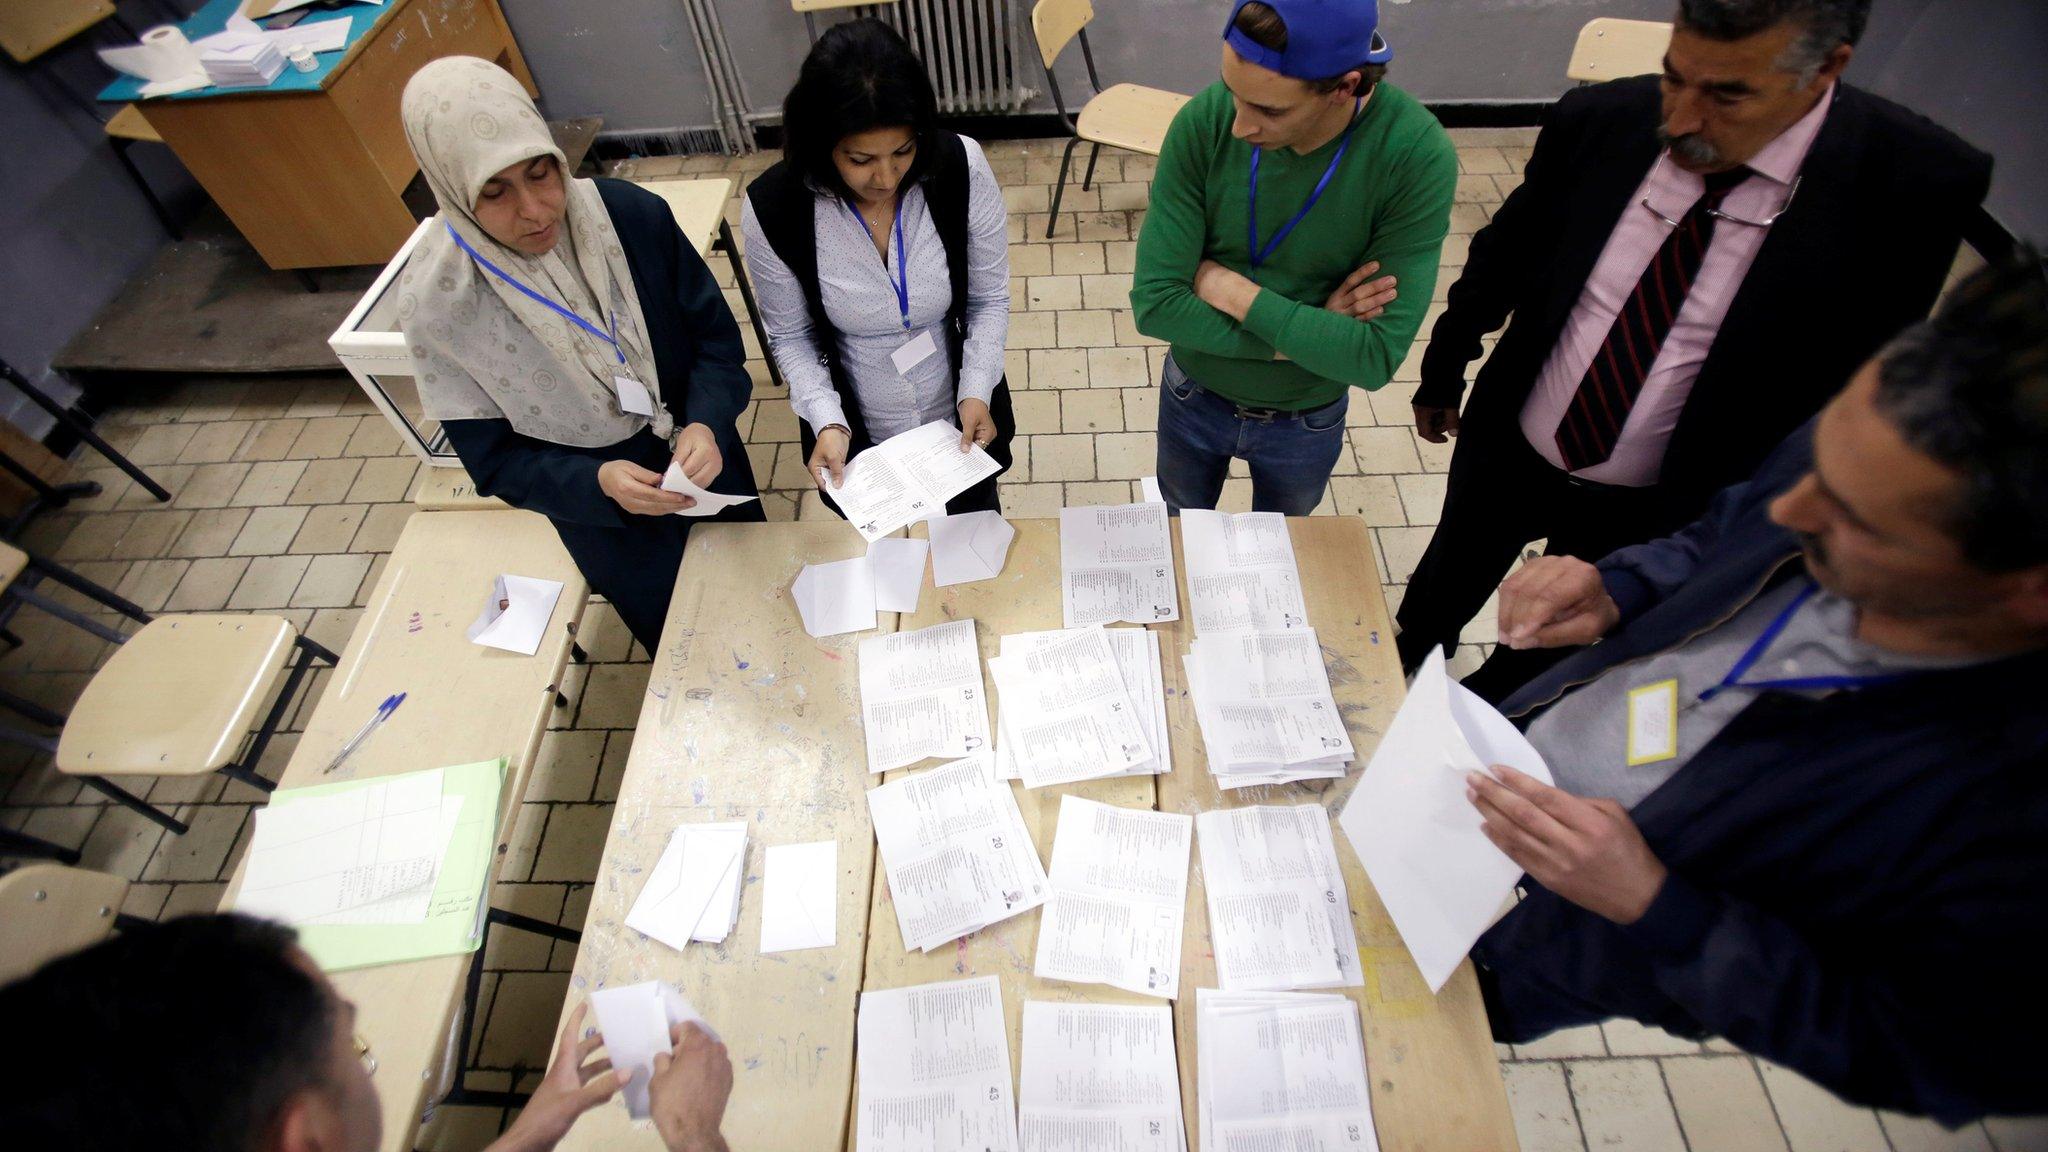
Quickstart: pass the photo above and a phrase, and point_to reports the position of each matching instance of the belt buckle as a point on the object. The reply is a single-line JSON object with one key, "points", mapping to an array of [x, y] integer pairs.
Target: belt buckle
{"points": [[1262, 415]]}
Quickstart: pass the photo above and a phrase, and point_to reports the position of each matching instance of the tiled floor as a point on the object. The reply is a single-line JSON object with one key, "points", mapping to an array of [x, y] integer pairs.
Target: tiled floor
{"points": [[290, 490]]}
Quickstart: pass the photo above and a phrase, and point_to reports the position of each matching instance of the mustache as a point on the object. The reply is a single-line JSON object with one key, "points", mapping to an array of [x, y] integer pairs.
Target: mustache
{"points": [[1689, 147]]}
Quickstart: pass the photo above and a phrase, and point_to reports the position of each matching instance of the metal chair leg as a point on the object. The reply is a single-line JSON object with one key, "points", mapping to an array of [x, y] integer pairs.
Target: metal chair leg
{"points": [[107, 596], [1059, 188], [1087, 177], [29, 709], [577, 653], [71, 420], [129, 799], [472, 990], [739, 276], [14, 843]]}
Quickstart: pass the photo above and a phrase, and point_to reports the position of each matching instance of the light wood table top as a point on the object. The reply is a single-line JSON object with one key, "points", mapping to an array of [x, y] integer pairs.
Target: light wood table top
{"points": [[699, 206], [465, 703], [29, 28], [450, 490]]}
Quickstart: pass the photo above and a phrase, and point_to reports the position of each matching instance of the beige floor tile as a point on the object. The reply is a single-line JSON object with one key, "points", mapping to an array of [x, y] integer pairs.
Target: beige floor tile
{"points": [[1061, 458], [1404, 548], [1083, 329], [1384, 450], [374, 436], [618, 749], [1919, 1134], [385, 480], [1032, 330], [523, 843], [1120, 255], [1037, 412], [566, 768], [1542, 1107], [271, 439], [95, 537], [332, 627], [150, 535], [69, 825], [1815, 1120], [1629, 1038], [1098, 492], [210, 532], [1032, 501], [789, 471], [775, 422], [1090, 410], [574, 843], [1118, 368], [1030, 259], [1141, 409], [325, 481], [1422, 496], [160, 444], [1565, 1043], [121, 843], [1623, 1104], [324, 438], [1722, 1105], [380, 527], [523, 1015], [149, 583], [211, 486], [1108, 290], [2018, 1133], [146, 900], [331, 581], [1026, 197], [1126, 455], [516, 950], [269, 531], [269, 483], [1375, 499], [41, 783], [172, 477], [1060, 368], [611, 695], [193, 900], [208, 584], [215, 443], [1050, 294], [330, 528], [1103, 226], [202, 852], [269, 582], [1076, 259]]}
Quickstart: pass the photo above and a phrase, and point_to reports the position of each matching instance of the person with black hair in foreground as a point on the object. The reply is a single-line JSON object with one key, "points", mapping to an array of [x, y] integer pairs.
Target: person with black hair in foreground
{"points": [[880, 256], [1800, 795], [218, 1034]]}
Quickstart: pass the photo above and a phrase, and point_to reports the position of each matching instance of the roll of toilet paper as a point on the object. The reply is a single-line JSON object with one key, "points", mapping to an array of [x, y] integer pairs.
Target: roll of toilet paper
{"points": [[164, 54]]}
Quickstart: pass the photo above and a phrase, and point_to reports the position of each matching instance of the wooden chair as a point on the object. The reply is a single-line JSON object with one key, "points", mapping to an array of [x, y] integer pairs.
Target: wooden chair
{"points": [[809, 6], [1127, 116], [1609, 49], [53, 911], [29, 28]]}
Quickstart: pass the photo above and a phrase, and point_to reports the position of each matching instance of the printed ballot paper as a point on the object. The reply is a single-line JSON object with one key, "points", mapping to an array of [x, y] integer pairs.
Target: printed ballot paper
{"points": [[708, 503], [800, 897], [920, 695], [1241, 574], [836, 598], [1119, 883], [955, 851], [909, 477], [693, 891], [1098, 1078], [1281, 1071], [1116, 563], [1069, 717], [516, 616], [1279, 916], [1137, 660], [1262, 700], [635, 1020], [968, 547], [1441, 879], [933, 1063]]}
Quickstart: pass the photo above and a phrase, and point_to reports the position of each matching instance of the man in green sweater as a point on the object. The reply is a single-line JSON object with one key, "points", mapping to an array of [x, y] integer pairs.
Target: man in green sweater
{"points": [[1289, 250]]}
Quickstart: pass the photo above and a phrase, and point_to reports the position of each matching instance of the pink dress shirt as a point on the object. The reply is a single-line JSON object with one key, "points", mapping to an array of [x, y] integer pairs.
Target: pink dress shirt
{"points": [[1638, 457]]}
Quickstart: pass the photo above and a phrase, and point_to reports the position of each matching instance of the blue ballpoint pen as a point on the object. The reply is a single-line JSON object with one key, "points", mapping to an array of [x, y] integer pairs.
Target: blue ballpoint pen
{"points": [[383, 713]]}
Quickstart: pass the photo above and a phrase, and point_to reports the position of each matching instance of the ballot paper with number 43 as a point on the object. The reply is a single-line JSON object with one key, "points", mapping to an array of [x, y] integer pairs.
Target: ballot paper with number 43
{"points": [[517, 614], [934, 1070], [635, 1020], [909, 477], [920, 695], [1418, 836]]}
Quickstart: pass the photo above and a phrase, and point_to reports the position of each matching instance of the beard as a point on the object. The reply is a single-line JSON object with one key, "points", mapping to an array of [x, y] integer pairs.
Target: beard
{"points": [[1690, 149]]}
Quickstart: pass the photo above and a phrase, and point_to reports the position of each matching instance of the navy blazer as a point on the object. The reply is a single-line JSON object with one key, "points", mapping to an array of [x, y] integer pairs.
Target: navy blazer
{"points": [[1859, 882]]}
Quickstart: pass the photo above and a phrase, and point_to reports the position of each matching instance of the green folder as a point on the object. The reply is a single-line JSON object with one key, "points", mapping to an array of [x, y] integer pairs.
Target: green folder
{"points": [[455, 917]]}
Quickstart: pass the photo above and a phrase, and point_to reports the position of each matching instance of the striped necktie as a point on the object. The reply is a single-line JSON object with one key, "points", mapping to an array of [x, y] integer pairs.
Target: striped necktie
{"points": [[1593, 421]]}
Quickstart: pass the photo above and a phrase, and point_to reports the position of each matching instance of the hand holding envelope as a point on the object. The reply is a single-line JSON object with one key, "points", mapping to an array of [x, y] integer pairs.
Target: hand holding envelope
{"points": [[708, 503], [635, 1020]]}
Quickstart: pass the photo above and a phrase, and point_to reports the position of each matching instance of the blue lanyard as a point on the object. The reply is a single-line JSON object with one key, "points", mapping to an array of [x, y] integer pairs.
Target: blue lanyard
{"points": [[1259, 254], [608, 337], [1763, 643], [900, 279]]}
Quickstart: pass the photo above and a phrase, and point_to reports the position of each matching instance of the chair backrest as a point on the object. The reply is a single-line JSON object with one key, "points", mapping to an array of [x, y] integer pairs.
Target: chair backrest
{"points": [[1609, 49], [51, 910], [29, 28], [1055, 23]]}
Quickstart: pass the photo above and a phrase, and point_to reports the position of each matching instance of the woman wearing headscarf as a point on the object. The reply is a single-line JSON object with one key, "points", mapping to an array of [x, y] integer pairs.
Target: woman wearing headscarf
{"points": [[879, 253], [568, 339]]}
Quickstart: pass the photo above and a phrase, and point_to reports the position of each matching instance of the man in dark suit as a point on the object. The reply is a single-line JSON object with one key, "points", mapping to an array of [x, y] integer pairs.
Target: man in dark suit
{"points": [[1694, 264]]}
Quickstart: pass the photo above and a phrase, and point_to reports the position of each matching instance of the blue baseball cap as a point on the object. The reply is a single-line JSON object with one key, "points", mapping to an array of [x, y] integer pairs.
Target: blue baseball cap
{"points": [[1325, 38]]}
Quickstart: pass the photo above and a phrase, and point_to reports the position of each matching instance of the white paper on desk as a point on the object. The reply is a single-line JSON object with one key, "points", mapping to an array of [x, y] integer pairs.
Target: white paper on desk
{"points": [[1148, 487], [516, 616], [1098, 1077], [897, 567], [708, 503], [321, 855], [1279, 915], [836, 598], [1119, 886], [164, 56], [1241, 572], [635, 1020], [921, 695], [934, 1069], [690, 892], [968, 547], [1137, 659], [1068, 716], [414, 905], [955, 852], [1264, 698], [1441, 879], [909, 477], [1116, 563], [1281, 1070], [800, 897]]}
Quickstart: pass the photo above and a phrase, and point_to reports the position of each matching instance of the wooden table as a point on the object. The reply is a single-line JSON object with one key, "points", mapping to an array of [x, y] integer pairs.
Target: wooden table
{"points": [[466, 703], [768, 729], [313, 178]]}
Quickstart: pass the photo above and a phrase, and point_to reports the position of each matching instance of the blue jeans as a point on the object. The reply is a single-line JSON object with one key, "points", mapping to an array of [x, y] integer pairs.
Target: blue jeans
{"points": [[1199, 432]]}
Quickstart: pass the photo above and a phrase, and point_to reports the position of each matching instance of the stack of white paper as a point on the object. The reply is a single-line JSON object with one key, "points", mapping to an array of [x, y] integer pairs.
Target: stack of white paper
{"points": [[920, 695], [516, 615], [909, 477], [1279, 916], [1067, 714], [693, 892], [1281, 1072], [1116, 563], [236, 60], [1263, 702], [1241, 573], [1137, 661], [956, 852], [365, 855], [934, 1069], [1420, 840], [1098, 1078], [635, 1020], [1119, 887]]}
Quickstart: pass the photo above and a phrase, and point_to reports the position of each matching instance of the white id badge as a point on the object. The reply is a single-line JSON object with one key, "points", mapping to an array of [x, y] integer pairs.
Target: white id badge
{"points": [[633, 396], [914, 352], [1653, 723]]}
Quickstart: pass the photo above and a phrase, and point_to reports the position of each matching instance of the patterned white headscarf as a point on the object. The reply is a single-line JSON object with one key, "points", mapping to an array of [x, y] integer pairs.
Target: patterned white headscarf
{"points": [[483, 349]]}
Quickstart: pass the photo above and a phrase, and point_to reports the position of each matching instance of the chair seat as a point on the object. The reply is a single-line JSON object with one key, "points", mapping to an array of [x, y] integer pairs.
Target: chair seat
{"points": [[178, 698], [1130, 116], [51, 910], [12, 562], [130, 124]]}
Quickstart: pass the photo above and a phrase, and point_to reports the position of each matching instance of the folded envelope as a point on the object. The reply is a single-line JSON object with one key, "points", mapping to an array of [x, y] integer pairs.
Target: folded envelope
{"points": [[800, 899], [634, 1020], [516, 616], [897, 567], [836, 597], [967, 547], [1418, 836], [708, 503]]}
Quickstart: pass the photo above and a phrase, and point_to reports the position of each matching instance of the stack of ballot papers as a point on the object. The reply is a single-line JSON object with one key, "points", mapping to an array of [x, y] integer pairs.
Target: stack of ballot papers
{"points": [[1119, 886], [693, 891], [1281, 1072], [1241, 573], [1116, 563], [956, 852], [934, 1069], [240, 60], [920, 695], [1263, 702], [909, 477], [516, 615], [1065, 711], [1420, 839], [635, 1020], [1279, 915], [377, 870], [1137, 664], [1099, 1078]]}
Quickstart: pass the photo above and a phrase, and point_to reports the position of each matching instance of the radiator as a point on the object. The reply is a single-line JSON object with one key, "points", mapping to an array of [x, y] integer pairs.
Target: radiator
{"points": [[970, 47]]}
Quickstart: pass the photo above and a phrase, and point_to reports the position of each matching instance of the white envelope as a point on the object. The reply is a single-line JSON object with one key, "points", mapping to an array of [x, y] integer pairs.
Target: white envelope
{"points": [[897, 565], [970, 546], [799, 902], [634, 1020], [835, 598], [516, 616], [708, 503], [1418, 836], [683, 887]]}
